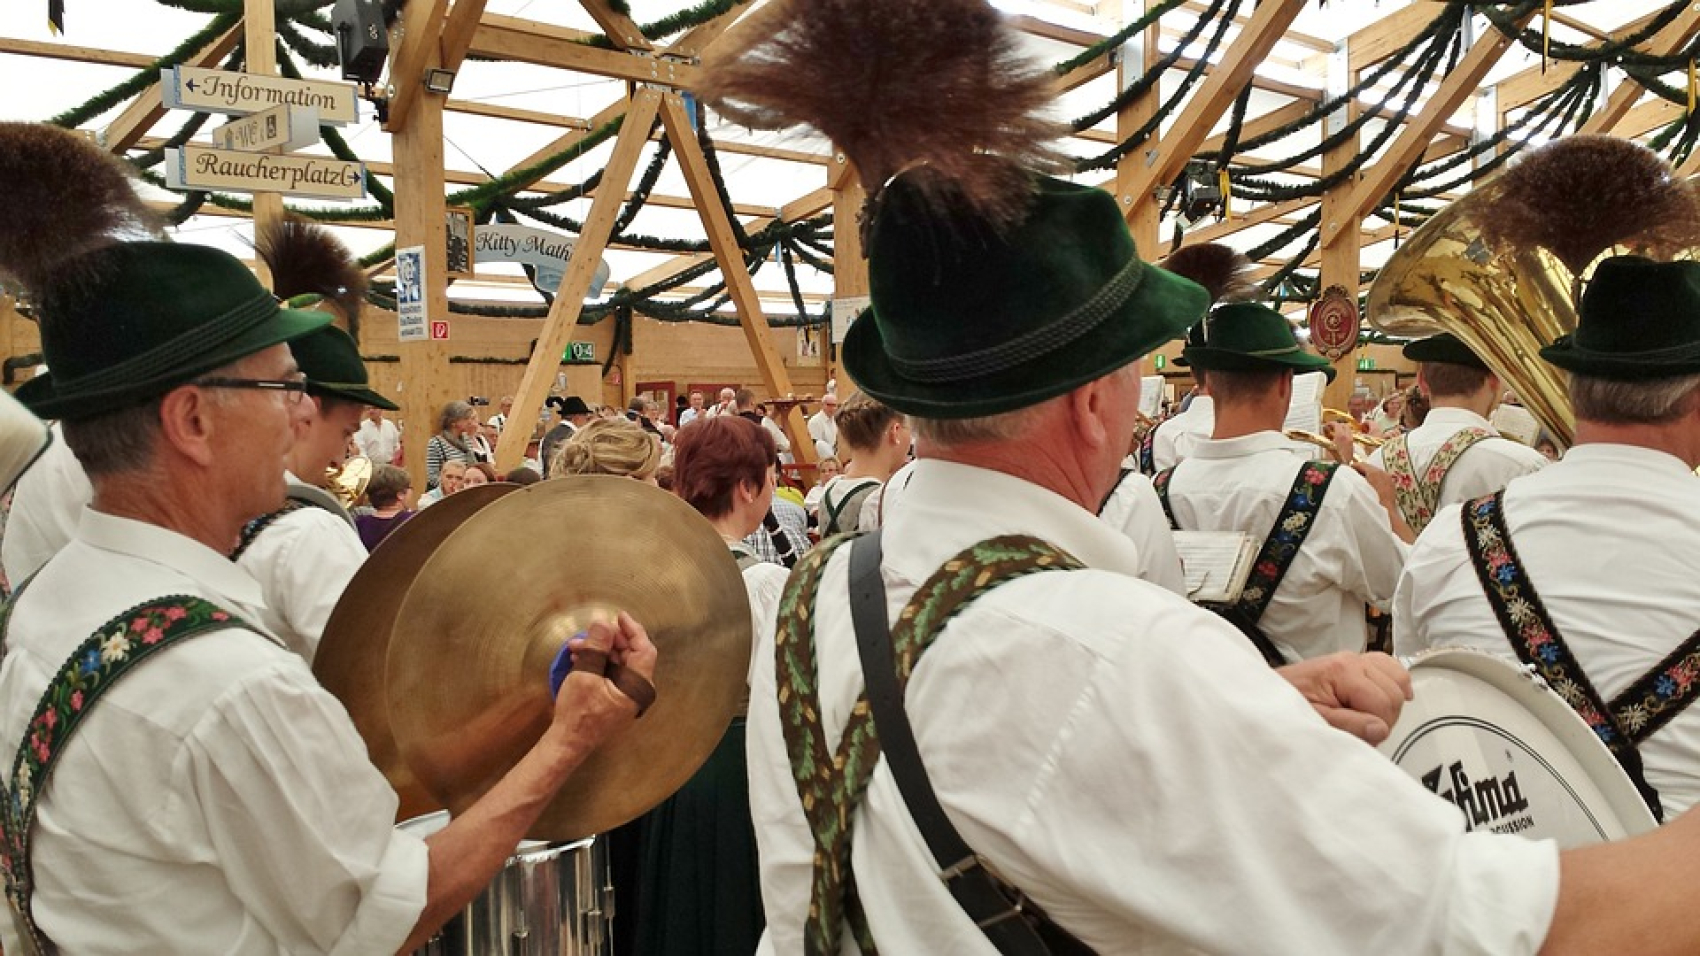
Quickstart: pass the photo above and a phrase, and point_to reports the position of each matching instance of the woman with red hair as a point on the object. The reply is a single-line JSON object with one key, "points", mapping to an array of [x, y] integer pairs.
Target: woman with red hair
{"points": [[701, 891]]}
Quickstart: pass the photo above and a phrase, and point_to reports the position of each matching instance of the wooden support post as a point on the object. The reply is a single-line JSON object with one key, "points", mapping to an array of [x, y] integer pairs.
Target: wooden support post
{"points": [[849, 259], [558, 328], [421, 35], [716, 220], [418, 150], [259, 29], [1341, 262], [1133, 60]]}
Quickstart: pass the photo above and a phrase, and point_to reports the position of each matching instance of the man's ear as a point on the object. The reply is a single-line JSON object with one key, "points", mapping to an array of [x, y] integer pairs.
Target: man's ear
{"points": [[188, 419]]}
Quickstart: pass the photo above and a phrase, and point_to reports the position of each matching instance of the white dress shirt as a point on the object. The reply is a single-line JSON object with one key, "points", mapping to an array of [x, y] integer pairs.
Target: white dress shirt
{"points": [[1128, 761], [1610, 538], [378, 441], [1177, 437], [47, 502], [1482, 469], [1350, 558], [303, 562], [217, 800], [1133, 509], [824, 430]]}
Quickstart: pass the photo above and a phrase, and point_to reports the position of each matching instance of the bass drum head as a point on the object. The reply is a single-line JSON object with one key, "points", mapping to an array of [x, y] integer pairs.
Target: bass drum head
{"points": [[1500, 745]]}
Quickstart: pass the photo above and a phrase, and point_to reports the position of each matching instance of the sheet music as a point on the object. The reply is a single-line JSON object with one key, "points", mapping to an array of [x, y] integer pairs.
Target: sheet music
{"points": [[1215, 563], [1517, 423], [1304, 412], [1151, 388]]}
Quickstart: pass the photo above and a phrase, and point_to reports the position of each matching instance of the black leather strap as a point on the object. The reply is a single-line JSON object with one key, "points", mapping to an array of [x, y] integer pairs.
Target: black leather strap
{"points": [[996, 907]]}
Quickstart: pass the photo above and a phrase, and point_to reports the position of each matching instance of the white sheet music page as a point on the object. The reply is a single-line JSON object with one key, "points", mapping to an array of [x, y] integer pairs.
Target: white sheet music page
{"points": [[1304, 412], [1150, 395], [1516, 423], [1215, 563]]}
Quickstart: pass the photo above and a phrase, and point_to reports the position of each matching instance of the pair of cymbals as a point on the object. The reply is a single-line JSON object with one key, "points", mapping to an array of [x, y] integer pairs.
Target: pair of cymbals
{"points": [[452, 660]]}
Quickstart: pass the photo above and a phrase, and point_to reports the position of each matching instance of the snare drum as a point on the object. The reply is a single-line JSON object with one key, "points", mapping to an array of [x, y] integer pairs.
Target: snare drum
{"points": [[550, 898], [1496, 742]]}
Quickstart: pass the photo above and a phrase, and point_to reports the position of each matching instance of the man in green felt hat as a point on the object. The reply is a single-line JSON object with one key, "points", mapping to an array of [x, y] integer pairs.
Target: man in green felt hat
{"points": [[1328, 543], [1590, 568], [207, 795], [305, 553], [1428, 465]]}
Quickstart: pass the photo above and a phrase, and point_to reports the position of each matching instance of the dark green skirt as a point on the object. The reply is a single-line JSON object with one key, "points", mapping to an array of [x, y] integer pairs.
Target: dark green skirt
{"points": [[699, 885]]}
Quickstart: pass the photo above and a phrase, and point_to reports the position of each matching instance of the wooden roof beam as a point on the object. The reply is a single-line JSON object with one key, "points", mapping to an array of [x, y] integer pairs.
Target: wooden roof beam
{"points": [[1672, 38], [418, 50], [620, 29], [457, 33], [1418, 133], [76, 54], [147, 108], [527, 41], [1166, 160]]}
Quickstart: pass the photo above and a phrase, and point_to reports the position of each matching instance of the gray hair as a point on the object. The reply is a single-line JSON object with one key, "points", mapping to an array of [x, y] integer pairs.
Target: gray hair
{"points": [[1005, 426], [452, 412], [1654, 402], [116, 442]]}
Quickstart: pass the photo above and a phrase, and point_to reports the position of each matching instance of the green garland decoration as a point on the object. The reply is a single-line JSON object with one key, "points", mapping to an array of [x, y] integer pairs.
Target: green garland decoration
{"points": [[101, 103], [1116, 39], [673, 23], [1152, 76]]}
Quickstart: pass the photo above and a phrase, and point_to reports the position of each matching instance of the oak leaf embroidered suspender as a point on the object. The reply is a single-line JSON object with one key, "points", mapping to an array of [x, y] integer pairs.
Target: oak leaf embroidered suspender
{"points": [[109, 654], [1418, 499], [1649, 703], [1287, 536], [831, 784]]}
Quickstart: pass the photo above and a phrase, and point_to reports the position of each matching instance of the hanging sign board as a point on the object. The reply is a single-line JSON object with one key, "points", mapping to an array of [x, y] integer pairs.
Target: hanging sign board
{"points": [[546, 252], [315, 177], [238, 94], [280, 129], [844, 312], [410, 295]]}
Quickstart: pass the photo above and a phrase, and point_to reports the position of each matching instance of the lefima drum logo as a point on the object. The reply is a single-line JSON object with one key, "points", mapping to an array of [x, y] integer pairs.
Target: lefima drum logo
{"points": [[1496, 802]]}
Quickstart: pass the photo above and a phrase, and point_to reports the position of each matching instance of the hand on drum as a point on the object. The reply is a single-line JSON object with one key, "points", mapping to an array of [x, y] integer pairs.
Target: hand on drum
{"points": [[593, 707], [1358, 693]]}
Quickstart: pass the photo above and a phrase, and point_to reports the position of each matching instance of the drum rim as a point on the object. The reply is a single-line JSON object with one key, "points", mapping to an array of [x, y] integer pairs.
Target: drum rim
{"points": [[1545, 706]]}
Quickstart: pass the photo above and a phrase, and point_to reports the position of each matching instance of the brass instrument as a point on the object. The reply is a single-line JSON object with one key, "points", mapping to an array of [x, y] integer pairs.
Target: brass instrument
{"points": [[347, 481], [1365, 445]]}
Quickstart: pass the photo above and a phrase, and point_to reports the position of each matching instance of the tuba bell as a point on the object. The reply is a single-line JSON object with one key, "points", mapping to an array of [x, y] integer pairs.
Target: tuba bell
{"points": [[1503, 267], [347, 481]]}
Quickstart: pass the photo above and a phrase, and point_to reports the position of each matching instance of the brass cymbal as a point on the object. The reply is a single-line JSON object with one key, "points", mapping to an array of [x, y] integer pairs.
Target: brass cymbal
{"points": [[356, 639], [469, 659]]}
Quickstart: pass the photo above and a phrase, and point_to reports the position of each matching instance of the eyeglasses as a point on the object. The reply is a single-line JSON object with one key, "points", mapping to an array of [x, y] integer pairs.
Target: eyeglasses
{"points": [[292, 388]]}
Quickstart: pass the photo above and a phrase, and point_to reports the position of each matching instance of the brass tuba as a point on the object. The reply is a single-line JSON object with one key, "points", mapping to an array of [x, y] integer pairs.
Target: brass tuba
{"points": [[347, 481], [1503, 267]]}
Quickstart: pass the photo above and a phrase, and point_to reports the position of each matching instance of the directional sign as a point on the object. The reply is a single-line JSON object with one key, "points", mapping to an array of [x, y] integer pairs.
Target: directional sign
{"points": [[547, 252], [277, 130], [238, 94], [316, 177]]}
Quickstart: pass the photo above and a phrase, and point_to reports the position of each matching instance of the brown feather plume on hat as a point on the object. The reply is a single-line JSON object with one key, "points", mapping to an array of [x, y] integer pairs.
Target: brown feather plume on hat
{"points": [[1224, 272], [306, 258], [67, 197], [939, 86], [1582, 195]]}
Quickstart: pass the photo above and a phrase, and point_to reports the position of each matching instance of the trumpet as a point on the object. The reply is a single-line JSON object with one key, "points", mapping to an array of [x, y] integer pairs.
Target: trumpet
{"points": [[347, 481], [1363, 444]]}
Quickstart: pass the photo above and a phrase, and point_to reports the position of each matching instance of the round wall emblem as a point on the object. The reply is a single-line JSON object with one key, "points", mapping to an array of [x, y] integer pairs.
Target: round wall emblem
{"points": [[1334, 322]]}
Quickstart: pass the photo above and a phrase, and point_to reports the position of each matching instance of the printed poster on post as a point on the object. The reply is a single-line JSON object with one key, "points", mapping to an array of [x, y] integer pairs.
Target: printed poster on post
{"points": [[410, 295]]}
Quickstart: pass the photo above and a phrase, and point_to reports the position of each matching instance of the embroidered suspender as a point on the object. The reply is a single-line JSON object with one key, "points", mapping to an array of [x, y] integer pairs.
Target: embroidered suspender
{"points": [[109, 654], [1418, 499], [830, 784], [833, 511], [1648, 704], [1113, 489], [1287, 536], [1147, 452], [251, 530]]}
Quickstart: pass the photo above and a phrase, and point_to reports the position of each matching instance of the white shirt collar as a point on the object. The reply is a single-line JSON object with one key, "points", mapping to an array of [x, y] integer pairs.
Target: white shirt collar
{"points": [[1251, 444], [1456, 418], [1632, 456], [180, 553], [943, 495]]}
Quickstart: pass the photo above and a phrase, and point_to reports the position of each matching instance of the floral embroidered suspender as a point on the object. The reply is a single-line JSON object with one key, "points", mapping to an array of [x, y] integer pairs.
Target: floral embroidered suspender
{"points": [[1275, 558], [1628, 719], [1418, 499], [108, 655], [831, 783], [1148, 452]]}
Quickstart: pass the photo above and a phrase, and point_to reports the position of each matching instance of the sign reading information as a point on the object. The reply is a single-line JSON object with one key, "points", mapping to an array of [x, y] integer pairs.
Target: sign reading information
{"points": [[317, 177], [237, 94], [277, 130]]}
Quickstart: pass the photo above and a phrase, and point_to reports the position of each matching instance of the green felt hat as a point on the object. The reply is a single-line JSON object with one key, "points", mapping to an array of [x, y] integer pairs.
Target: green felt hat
{"points": [[1194, 336], [142, 318], [1639, 320], [1248, 337], [966, 323], [331, 361], [1444, 347]]}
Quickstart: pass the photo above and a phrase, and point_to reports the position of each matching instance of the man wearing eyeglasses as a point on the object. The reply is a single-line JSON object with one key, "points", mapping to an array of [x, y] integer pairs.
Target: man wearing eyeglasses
{"points": [[305, 553], [213, 798]]}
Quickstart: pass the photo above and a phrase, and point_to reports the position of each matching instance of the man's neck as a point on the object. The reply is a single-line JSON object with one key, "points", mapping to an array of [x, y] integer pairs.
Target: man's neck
{"points": [[1673, 438], [1238, 419], [153, 500], [1482, 403]]}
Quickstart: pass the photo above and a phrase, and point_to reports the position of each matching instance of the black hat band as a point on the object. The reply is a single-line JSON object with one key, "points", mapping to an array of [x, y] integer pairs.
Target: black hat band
{"points": [[1028, 346]]}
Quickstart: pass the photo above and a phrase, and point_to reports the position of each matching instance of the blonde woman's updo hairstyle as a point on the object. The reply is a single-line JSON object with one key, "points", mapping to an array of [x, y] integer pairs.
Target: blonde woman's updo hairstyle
{"points": [[608, 446]]}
